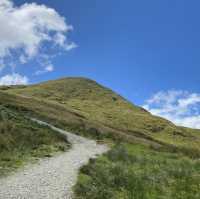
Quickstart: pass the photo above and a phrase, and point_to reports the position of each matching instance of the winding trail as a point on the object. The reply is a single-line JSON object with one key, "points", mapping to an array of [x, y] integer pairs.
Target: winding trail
{"points": [[51, 178]]}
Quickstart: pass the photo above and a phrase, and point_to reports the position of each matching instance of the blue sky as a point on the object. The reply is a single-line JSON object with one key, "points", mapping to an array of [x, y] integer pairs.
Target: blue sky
{"points": [[137, 48]]}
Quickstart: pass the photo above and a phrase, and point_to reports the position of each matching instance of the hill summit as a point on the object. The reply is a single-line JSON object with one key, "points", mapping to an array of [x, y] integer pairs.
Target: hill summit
{"points": [[86, 106]]}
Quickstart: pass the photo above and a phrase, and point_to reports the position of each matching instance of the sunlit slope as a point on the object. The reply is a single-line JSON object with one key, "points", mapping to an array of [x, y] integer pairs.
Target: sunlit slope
{"points": [[95, 103], [85, 102]]}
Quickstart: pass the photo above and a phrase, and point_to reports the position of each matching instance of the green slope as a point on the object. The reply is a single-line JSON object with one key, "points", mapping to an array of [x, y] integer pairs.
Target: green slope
{"points": [[155, 158], [22, 140], [84, 104]]}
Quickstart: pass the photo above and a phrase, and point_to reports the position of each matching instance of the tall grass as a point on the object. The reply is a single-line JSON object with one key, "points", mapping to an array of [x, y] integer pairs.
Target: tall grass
{"points": [[137, 172], [21, 139]]}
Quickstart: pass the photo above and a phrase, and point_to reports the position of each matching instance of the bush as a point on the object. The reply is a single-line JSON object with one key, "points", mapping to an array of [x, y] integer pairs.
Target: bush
{"points": [[138, 172], [118, 153]]}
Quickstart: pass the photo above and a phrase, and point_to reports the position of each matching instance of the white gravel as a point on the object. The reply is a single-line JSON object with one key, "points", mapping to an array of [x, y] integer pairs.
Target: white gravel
{"points": [[51, 178]]}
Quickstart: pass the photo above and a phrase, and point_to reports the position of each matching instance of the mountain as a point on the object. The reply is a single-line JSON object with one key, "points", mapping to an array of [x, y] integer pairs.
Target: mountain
{"points": [[84, 106], [149, 156]]}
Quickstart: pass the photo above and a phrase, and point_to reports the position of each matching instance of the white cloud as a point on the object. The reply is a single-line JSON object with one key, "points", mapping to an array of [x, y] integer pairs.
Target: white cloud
{"points": [[13, 79], [26, 28], [180, 107], [48, 68]]}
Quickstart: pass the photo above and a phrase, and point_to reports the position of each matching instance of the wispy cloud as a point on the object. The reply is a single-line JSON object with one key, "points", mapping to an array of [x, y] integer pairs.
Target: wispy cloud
{"points": [[30, 31], [47, 68], [180, 107], [14, 79]]}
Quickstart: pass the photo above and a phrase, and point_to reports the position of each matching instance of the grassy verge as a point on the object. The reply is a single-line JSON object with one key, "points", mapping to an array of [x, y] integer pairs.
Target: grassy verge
{"points": [[138, 172], [22, 140]]}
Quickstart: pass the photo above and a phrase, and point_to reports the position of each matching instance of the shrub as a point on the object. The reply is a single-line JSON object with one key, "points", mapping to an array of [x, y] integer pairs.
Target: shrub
{"points": [[138, 172]]}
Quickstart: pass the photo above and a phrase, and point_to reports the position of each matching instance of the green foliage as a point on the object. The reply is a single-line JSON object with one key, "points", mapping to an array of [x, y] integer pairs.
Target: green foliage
{"points": [[21, 139], [136, 172]]}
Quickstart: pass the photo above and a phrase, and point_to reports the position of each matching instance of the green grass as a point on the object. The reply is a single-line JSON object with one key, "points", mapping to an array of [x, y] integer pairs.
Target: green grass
{"points": [[96, 103], [155, 160], [22, 140], [83, 106], [137, 172]]}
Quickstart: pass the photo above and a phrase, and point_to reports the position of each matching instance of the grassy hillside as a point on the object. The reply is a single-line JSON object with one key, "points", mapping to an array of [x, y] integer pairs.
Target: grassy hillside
{"points": [[87, 106], [96, 103], [22, 140], [151, 157]]}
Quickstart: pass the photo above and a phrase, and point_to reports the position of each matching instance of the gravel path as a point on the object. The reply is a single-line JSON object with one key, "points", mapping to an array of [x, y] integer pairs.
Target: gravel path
{"points": [[51, 178]]}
